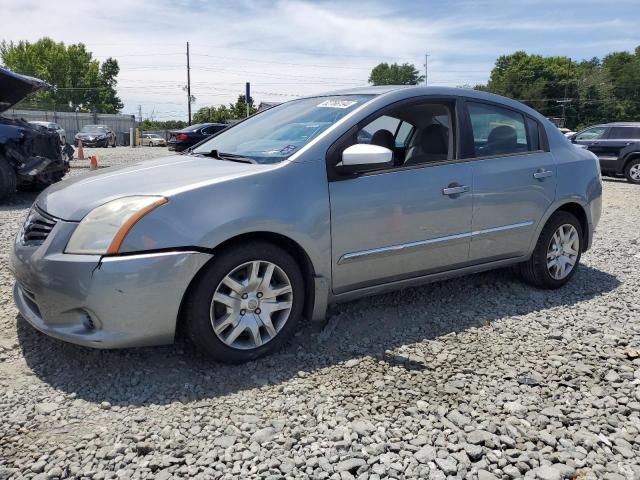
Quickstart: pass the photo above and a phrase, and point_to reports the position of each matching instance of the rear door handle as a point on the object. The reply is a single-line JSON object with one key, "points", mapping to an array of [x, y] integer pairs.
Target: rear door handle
{"points": [[542, 174], [455, 190]]}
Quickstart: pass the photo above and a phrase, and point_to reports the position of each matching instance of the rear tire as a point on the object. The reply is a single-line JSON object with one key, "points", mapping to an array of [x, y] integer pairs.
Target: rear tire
{"points": [[246, 305], [632, 171], [544, 268], [7, 179]]}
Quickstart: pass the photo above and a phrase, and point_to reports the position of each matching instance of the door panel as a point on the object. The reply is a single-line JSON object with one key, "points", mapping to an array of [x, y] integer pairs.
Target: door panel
{"points": [[399, 224], [592, 139], [509, 202]]}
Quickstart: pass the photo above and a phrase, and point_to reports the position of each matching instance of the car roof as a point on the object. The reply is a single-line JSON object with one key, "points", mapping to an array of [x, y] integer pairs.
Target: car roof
{"points": [[621, 124], [401, 92]]}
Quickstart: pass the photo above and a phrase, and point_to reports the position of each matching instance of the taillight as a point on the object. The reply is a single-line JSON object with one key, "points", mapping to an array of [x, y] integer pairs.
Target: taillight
{"points": [[182, 136]]}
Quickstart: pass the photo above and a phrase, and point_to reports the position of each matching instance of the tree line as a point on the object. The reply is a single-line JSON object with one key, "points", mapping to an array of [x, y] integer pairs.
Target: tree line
{"points": [[79, 82], [582, 92]]}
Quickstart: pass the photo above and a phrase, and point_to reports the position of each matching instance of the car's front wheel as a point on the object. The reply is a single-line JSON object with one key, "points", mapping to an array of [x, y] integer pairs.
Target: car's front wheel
{"points": [[557, 253], [632, 171], [246, 303], [7, 179]]}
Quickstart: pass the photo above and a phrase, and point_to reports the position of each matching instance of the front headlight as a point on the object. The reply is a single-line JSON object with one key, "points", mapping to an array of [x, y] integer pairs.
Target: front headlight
{"points": [[103, 230]]}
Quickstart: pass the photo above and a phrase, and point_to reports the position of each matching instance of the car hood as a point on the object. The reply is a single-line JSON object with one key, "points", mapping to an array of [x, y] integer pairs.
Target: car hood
{"points": [[73, 198], [14, 87]]}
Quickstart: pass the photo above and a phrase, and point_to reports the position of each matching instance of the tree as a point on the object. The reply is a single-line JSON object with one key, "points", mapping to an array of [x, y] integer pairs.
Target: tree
{"points": [[597, 91], [148, 124], [222, 113], [394, 74], [75, 76]]}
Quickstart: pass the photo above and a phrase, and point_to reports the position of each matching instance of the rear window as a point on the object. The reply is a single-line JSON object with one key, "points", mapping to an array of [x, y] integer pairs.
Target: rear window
{"points": [[624, 133]]}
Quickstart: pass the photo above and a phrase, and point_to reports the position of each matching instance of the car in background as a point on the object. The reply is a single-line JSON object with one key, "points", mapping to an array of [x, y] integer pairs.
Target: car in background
{"points": [[187, 137], [567, 132], [152, 140], [284, 213], [30, 155], [53, 127], [617, 146], [96, 136]]}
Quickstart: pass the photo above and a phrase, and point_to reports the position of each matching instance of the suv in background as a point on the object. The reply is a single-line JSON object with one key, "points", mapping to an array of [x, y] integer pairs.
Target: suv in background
{"points": [[617, 146]]}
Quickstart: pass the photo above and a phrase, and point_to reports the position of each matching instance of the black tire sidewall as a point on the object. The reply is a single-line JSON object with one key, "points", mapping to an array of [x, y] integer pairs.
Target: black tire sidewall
{"points": [[197, 317], [627, 169], [7, 179], [539, 256]]}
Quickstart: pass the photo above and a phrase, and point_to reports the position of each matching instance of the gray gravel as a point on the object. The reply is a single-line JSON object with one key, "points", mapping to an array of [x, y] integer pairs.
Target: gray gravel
{"points": [[480, 377]]}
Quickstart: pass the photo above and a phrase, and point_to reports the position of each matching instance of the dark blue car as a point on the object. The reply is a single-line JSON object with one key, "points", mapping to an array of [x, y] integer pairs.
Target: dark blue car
{"points": [[187, 137]]}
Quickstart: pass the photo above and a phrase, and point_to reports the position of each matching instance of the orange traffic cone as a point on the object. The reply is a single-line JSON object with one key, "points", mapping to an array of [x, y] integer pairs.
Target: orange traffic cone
{"points": [[93, 162], [80, 150]]}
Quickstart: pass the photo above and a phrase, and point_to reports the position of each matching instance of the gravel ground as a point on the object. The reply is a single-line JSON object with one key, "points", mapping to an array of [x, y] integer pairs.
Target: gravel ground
{"points": [[480, 377], [118, 156]]}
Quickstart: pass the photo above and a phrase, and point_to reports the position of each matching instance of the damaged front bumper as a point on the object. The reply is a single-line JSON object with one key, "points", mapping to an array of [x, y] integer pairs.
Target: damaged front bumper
{"points": [[103, 302]]}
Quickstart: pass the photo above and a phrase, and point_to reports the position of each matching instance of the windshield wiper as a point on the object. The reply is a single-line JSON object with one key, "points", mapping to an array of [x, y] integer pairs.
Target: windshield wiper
{"points": [[232, 157]]}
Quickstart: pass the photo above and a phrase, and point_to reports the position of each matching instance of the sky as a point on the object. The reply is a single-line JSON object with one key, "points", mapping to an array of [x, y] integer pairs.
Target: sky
{"points": [[292, 48]]}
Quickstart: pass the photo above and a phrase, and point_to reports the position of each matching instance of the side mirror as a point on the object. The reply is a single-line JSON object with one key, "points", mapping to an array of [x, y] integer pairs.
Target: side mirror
{"points": [[362, 157]]}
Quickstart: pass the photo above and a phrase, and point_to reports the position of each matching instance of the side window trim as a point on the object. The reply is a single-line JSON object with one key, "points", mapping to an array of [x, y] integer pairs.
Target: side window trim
{"points": [[455, 108]]}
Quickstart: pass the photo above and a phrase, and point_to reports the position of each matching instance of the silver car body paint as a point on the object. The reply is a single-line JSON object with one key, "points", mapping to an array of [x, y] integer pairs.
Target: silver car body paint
{"points": [[362, 236]]}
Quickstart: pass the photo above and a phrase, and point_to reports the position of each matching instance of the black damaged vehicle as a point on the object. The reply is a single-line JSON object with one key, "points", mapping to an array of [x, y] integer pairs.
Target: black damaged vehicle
{"points": [[30, 156]]}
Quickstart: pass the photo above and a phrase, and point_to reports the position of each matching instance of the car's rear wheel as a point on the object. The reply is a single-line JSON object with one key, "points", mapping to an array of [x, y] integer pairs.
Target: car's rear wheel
{"points": [[557, 253], [7, 179], [246, 303], [632, 171]]}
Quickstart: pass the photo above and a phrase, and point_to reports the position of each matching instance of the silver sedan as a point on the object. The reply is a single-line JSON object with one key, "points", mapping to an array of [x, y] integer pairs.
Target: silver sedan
{"points": [[314, 201]]}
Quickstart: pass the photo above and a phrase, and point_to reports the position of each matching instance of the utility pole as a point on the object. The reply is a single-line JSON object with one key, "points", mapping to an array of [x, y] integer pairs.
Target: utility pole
{"points": [[139, 113], [247, 96], [565, 100], [426, 68], [188, 84]]}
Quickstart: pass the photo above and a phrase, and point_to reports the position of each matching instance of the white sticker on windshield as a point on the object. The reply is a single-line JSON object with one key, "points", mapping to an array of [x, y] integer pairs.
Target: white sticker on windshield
{"points": [[336, 103]]}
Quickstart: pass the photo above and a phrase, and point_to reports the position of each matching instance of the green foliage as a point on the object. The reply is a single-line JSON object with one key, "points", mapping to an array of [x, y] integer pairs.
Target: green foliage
{"points": [[598, 91], [148, 124], [222, 113], [71, 70], [394, 74]]}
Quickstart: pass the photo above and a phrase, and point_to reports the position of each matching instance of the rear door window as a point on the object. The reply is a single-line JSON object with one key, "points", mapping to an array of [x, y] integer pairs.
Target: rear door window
{"points": [[497, 130], [624, 133]]}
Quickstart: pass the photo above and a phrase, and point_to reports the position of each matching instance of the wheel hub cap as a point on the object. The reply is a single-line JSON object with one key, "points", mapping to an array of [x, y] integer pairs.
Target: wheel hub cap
{"points": [[563, 251], [634, 171], [251, 305]]}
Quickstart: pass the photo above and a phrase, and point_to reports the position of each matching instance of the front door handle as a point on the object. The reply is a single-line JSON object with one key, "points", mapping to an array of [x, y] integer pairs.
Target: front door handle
{"points": [[455, 190], [542, 174]]}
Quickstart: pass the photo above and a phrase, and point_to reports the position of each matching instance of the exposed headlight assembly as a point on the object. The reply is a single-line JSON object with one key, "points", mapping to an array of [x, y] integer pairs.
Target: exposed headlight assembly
{"points": [[104, 229]]}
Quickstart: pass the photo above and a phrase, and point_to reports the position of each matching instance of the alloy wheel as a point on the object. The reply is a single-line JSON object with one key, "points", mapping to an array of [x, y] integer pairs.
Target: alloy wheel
{"points": [[251, 305], [634, 172], [563, 251]]}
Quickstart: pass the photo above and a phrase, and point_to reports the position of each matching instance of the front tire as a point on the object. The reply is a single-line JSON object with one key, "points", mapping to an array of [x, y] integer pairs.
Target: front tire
{"points": [[632, 171], [556, 256], [7, 179], [246, 302]]}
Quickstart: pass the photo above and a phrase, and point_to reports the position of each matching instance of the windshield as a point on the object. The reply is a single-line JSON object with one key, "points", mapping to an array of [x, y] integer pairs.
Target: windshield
{"points": [[93, 129], [276, 134]]}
